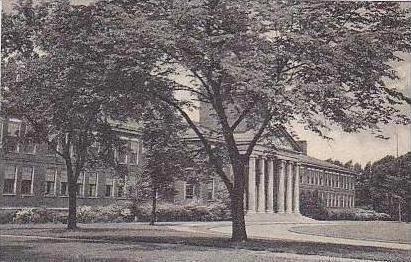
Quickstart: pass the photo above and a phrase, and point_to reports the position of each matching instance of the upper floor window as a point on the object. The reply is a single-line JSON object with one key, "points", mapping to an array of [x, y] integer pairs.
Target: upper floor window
{"points": [[10, 179], [134, 151], [13, 135], [122, 155], [29, 146], [27, 175]]}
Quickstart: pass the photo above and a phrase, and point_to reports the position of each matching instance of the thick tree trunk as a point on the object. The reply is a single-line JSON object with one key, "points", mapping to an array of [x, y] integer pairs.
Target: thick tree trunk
{"points": [[239, 232], [153, 207], [72, 215]]}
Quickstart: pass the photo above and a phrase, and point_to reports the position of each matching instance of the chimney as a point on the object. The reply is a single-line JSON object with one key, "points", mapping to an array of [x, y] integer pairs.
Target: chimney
{"points": [[303, 145]]}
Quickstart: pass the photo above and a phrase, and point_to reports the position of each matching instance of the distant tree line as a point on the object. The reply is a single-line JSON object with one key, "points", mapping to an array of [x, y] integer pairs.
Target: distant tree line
{"points": [[384, 185]]}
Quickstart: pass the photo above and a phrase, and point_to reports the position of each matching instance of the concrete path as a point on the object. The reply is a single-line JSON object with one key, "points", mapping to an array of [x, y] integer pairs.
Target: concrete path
{"points": [[283, 231]]}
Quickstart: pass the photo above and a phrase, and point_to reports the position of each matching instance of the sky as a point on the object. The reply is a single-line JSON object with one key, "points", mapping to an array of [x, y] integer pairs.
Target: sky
{"points": [[359, 147]]}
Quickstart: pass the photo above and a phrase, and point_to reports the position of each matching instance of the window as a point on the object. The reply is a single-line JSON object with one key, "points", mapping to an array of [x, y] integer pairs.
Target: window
{"points": [[210, 189], [189, 191], [120, 185], [10, 176], [109, 187], [122, 155], [92, 184], [13, 134], [134, 150], [29, 146], [80, 185], [27, 180], [120, 190], [63, 183], [50, 182]]}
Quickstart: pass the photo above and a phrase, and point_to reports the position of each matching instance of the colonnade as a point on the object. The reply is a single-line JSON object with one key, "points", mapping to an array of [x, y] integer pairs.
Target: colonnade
{"points": [[273, 186]]}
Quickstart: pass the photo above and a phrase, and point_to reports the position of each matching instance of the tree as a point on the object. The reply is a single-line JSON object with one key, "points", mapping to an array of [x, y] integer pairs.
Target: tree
{"points": [[259, 65], [54, 78], [384, 186], [168, 156]]}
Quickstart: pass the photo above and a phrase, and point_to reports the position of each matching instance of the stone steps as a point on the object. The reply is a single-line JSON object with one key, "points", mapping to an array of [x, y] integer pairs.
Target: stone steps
{"points": [[277, 218]]}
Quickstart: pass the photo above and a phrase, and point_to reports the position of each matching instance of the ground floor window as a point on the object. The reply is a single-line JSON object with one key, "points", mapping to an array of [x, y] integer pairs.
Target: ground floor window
{"points": [[189, 190], [27, 174], [10, 178], [50, 182], [92, 184], [109, 187], [63, 184], [80, 185], [210, 189]]}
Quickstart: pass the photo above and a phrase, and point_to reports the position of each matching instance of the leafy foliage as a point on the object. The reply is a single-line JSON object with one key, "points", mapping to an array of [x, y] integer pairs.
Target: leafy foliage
{"points": [[384, 186]]}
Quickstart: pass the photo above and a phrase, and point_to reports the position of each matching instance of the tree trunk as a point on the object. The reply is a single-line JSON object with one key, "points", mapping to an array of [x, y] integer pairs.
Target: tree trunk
{"points": [[154, 206], [239, 232], [72, 215]]}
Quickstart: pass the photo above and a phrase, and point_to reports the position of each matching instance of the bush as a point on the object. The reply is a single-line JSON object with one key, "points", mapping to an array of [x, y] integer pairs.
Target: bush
{"points": [[187, 212], [357, 214], [7, 216], [111, 213], [120, 213], [35, 215]]}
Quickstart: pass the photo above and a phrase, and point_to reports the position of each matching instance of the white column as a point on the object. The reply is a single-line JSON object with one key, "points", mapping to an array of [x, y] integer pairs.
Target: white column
{"points": [[251, 185], [281, 187], [261, 186], [289, 190], [270, 186], [296, 202], [327, 204]]}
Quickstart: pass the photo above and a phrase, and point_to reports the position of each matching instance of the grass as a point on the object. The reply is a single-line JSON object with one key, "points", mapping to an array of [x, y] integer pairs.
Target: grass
{"points": [[165, 235], [390, 232]]}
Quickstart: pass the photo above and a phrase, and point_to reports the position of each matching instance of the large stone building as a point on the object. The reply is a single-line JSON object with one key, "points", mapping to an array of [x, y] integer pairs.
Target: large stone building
{"points": [[279, 176]]}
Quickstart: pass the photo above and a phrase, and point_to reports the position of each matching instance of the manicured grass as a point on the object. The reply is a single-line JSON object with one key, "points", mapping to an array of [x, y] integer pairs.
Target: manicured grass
{"points": [[161, 234], [388, 232]]}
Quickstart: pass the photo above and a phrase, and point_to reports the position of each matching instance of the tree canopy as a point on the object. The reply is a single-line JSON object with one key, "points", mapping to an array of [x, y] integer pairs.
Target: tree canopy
{"points": [[255, 65]]}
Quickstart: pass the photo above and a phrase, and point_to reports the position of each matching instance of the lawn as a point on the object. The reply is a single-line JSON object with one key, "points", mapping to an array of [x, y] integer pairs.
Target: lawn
{"points": [[138, 234], [387, 232]]}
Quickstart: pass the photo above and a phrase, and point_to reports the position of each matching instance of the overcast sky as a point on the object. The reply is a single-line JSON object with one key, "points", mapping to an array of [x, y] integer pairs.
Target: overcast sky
{"points": [[360, 147]]}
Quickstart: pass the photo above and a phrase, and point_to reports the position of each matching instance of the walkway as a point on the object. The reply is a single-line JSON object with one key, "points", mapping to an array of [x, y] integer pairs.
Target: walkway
{"points": [[297, 232]]}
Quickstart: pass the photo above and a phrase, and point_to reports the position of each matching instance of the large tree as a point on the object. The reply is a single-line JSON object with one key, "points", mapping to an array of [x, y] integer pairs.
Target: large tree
{"points": [[53, 77], [257, 65]]}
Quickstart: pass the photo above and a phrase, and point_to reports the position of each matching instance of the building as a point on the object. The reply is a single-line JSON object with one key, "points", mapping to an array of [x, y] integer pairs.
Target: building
{"points": [[278, 176], [33, 176]]}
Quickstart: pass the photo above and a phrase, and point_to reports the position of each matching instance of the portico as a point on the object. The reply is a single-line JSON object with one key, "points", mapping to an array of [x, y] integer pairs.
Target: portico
{"points": [[273, 185]]}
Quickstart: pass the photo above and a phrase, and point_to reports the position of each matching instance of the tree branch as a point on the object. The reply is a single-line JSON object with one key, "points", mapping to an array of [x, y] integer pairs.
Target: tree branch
{"points": [[243, 115], [257, 136], [203, 139]]}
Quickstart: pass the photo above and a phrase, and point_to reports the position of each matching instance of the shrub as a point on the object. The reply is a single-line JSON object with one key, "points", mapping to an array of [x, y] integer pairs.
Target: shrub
{"points": [[358, 214], [35, 215], [186, 212], [7, 216], [111, 213]]}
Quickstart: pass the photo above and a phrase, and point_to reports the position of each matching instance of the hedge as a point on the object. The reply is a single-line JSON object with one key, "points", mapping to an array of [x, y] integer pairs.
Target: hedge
{"points": [[119, 213]]}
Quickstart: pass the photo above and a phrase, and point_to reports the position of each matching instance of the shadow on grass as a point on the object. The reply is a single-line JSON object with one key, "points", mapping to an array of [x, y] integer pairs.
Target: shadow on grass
{"points": [[155, 238]]}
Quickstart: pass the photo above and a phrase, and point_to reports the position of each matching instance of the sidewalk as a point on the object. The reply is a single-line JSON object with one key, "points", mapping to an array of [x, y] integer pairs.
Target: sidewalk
{"points": [[284, 231]]}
